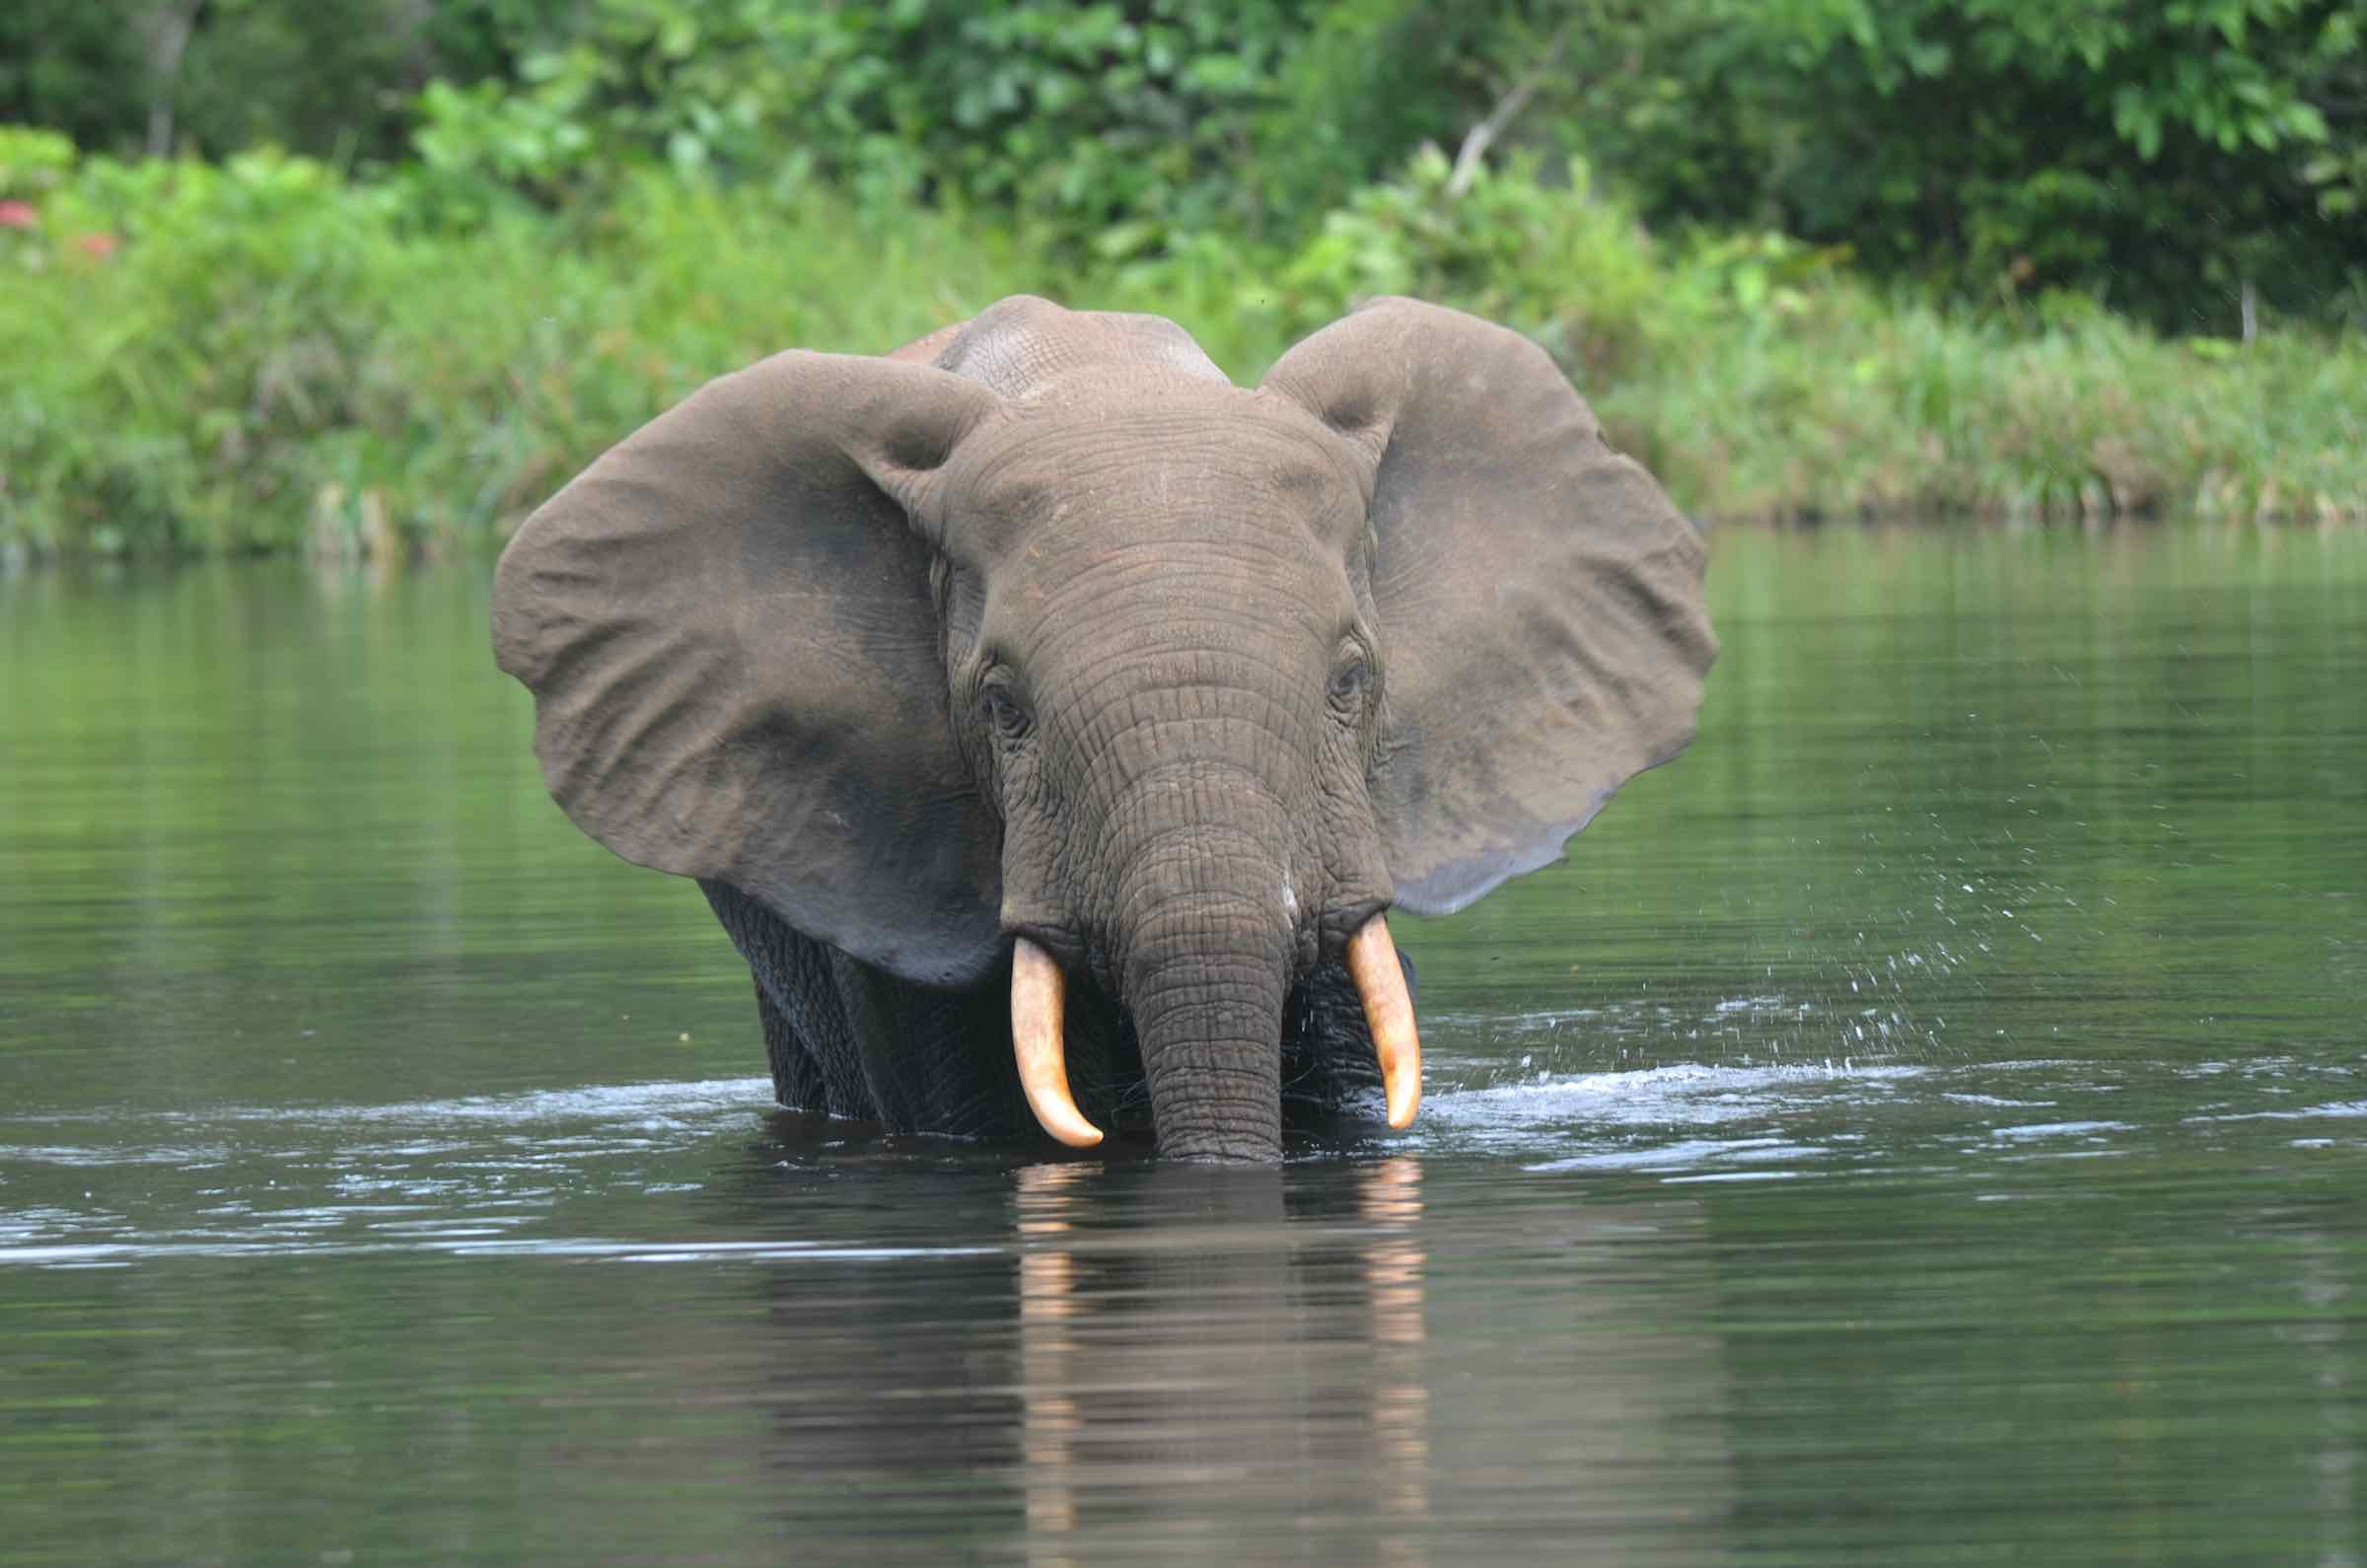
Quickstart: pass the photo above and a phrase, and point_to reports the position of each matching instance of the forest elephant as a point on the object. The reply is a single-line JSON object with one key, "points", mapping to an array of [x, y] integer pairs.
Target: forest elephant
{"points": [[1049, 721]]}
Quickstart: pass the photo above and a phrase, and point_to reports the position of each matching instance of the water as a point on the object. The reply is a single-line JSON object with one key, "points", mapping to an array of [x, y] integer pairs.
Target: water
{"points": [[1928, 1124]]}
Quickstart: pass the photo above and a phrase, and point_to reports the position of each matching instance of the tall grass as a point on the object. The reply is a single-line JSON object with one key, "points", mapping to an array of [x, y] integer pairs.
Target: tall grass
{"points": [[316, 371], [261, 356], [1763, 379], [1870, 409]]}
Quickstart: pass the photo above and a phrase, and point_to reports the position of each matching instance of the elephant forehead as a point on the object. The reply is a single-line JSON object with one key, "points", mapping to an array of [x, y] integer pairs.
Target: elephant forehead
{"points": [[1106, 609], [1100, 460]]}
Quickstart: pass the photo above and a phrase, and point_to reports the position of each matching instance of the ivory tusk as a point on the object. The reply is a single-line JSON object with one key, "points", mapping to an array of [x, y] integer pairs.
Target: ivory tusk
{"points": [[1388, 1012], [1037, 1007]]}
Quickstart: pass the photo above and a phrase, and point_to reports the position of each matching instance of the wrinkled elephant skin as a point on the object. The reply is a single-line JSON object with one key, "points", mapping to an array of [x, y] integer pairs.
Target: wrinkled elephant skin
{"points": [[1051, 721]]}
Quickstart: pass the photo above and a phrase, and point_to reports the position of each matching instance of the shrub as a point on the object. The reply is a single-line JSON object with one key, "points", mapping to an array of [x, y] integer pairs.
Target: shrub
{"points": [[1761, 377], [264, 355]]}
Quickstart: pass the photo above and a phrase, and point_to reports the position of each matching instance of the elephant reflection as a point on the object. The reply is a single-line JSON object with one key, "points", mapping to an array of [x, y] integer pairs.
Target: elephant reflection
{"points": [[1250, 1361], [1329, 1361], [1300, 1372]]}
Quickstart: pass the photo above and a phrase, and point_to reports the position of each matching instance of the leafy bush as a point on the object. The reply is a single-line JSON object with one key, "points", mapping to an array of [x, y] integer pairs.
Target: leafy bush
{"points": [[261, 354], [2157, 154], [329, 77], [1084, 116], [2174, 158], [1760, 378], [264, 355]]}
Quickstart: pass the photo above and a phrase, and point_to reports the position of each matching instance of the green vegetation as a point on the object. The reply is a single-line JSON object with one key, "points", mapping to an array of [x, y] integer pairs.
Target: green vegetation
{"points": [[262, 355], [1808, 258]]}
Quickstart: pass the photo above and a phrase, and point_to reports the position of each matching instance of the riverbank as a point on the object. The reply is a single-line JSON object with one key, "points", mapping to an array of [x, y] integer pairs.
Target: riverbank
{"points": [[263, 356]]}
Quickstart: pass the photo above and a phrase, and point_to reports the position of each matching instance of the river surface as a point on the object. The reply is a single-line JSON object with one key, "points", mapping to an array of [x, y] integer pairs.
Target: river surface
{"points": [[1925, 1125]]}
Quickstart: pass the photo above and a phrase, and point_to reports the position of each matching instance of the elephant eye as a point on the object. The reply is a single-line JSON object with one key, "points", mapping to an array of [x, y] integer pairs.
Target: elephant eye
{"points": [[1350, 683], [1005, 710]]}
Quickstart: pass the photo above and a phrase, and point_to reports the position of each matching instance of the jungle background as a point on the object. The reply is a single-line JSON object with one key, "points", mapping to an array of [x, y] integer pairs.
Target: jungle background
{"points": [[376, 276]]}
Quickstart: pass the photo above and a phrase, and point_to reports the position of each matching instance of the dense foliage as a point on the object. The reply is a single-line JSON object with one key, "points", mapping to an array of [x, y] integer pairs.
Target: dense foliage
{"points": [[258, 354], [2159, 155], [335, 78], [416, 259]]}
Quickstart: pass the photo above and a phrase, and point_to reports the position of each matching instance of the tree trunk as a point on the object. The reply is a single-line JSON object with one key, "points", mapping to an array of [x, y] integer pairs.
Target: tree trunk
{"points": [[168, 28]]}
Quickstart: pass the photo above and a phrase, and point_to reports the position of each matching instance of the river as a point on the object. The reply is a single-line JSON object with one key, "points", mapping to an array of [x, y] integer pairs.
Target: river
{"points": [[1927, 1123]]}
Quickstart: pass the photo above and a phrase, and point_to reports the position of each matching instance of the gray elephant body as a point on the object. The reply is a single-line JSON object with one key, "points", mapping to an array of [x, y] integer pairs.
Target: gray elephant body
{"points": [[1041, 631], [844, 1038]]}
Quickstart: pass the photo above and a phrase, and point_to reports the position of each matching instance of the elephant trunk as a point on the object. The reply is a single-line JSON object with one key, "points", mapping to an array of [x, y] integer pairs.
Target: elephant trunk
{"points": [[1206, 934], [1208, 1011]]}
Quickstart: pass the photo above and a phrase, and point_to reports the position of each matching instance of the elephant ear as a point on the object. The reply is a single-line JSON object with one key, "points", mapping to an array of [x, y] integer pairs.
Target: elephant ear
{"points": [[728, 627], [1544, 634]]}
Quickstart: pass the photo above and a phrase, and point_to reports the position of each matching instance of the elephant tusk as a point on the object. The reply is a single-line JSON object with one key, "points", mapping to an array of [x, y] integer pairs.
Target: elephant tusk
{"points": [[1388, 1012], [1036, 1005]]}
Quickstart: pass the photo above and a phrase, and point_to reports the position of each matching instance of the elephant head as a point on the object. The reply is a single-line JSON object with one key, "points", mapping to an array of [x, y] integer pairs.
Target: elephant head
{"points": [[1043, 635]]}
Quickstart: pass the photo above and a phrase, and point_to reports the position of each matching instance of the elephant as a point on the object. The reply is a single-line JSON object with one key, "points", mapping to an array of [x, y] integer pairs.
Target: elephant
{"points": [[1051, 722]]}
